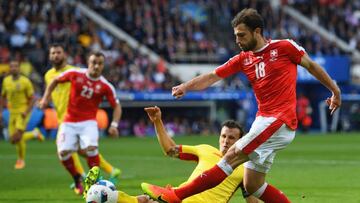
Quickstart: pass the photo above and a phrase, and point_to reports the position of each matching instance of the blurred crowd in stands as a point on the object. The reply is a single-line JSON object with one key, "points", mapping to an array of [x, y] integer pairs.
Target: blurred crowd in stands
{"points": [[176, 29], [179, 31]]}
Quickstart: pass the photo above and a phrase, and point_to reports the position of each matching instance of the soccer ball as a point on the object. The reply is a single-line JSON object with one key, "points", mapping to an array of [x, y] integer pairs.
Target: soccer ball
{"points": [[102, 192]]}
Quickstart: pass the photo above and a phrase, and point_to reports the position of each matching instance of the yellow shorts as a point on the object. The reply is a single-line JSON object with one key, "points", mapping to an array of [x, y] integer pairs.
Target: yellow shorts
{"points": [[17, 122]]}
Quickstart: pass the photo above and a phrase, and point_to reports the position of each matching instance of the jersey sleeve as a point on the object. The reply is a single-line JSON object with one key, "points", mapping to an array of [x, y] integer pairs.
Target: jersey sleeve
{"points": [[111, 95], [294, 51], [66, 76], [188, 153], [236, 64]]}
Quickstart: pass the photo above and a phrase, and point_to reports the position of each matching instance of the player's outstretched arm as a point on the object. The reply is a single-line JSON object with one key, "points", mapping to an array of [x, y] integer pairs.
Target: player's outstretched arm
{"points": [[167, 144], [113, 130], [46, 97], [319, 73], [198, 83]]}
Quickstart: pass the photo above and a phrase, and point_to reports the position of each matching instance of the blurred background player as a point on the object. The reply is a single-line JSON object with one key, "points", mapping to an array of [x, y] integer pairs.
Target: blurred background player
{"points": [[304, 111], [60, 98], [18, 92], [206, 156], [79, 127], [93, 176]]}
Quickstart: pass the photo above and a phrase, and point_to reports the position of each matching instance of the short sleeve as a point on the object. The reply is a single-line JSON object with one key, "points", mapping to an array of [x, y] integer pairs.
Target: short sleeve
{"points": [[66, 76], [294, 51], [236, 64], [189, 153], [232, 66], [111, 95]]}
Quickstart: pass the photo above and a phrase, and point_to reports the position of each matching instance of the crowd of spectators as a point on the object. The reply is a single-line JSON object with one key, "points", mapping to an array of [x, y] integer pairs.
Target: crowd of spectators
{"points": [[27, 28], [202, 28], [340, 17]]}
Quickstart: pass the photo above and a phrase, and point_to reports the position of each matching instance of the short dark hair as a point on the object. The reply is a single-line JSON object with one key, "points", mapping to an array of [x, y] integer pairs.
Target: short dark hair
{"points": [[57, 44], [250, 17], [97, 54], [233, 124]]}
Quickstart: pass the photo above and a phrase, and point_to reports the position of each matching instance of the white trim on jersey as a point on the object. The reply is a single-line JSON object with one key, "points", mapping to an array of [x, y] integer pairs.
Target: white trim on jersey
{"points": [[103, 79], [298, 47], [292, 42], [262, 48]]}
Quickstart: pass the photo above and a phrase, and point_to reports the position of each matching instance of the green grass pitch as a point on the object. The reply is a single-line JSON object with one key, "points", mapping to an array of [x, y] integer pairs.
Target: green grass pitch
{"points": [[314, 168]]}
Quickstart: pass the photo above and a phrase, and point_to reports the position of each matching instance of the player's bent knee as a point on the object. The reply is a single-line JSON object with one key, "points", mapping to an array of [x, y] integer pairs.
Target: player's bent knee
{"points": [[92, 151], [235, 157], [64, 155], [82, 152]]}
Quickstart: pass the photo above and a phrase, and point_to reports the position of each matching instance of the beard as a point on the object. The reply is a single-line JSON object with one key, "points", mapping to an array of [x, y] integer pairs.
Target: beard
{"points": [[250, 46], [57, 63]]}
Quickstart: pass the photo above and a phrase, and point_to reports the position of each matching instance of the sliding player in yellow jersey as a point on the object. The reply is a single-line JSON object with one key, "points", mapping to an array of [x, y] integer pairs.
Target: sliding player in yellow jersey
{"points": [[18, 92], [60, 98], [205, 156]]}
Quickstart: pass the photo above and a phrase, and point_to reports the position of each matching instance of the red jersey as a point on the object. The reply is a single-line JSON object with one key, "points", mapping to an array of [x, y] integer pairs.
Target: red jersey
{"points": [[86, 93], [273, 78]]}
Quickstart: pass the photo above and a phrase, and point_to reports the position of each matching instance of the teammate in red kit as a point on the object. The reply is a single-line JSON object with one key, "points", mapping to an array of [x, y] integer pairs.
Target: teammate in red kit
{"points": [[273, 78], [79, 129]]}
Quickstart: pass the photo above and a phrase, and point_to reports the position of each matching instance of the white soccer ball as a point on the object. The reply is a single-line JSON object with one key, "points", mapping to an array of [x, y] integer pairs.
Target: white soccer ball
{"points": [[102, 192]]}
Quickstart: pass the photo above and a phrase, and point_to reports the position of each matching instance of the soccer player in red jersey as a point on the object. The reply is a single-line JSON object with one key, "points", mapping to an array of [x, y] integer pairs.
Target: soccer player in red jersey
{"points": [[273, 79], [79, 128]]}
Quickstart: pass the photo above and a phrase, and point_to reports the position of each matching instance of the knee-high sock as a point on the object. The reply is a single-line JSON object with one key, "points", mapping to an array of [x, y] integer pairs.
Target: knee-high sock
{"points": [[93, 161], [70, 166], [105, 165], [205, 181], [78, 166], [270, 194]]}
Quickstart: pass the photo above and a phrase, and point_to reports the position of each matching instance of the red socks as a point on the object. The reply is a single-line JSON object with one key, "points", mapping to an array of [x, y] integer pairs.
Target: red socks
{"points": [[273, 195], [205, 181], [70, 166], [93, 161]]}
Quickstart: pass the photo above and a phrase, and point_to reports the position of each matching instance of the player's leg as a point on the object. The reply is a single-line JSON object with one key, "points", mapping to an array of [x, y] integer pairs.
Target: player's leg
{"points": [[240, 152], [260, 164], [89, 141], [17, 129], [78, 165], [34, 134], [108, 168], [67, 143]]}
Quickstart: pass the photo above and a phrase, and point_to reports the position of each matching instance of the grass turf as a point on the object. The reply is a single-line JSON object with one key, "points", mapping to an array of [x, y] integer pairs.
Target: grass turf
{"points": [[314, 168]]}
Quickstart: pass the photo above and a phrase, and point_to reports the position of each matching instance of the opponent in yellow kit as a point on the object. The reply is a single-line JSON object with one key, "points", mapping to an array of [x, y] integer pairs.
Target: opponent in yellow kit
{"points": [[18, 91], [206, 157], [60, 98]]}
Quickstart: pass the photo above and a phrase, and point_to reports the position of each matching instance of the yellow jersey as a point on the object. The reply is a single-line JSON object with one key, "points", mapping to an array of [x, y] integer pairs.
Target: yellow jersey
{"points": [[206, 157], [60, 95], [17, 93]]}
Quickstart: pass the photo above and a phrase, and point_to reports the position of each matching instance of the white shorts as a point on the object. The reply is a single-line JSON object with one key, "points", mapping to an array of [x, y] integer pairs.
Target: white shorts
{"points": [[73, 135], [267, 135]]}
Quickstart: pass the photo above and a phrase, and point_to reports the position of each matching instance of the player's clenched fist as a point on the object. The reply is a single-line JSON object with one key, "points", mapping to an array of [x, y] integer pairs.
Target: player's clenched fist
{"points": [[179, 91], [113, 131], [43, 103]]}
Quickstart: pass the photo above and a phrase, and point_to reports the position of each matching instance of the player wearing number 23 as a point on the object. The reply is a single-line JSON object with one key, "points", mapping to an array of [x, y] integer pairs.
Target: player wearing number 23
{"points": [[79, 128]]}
